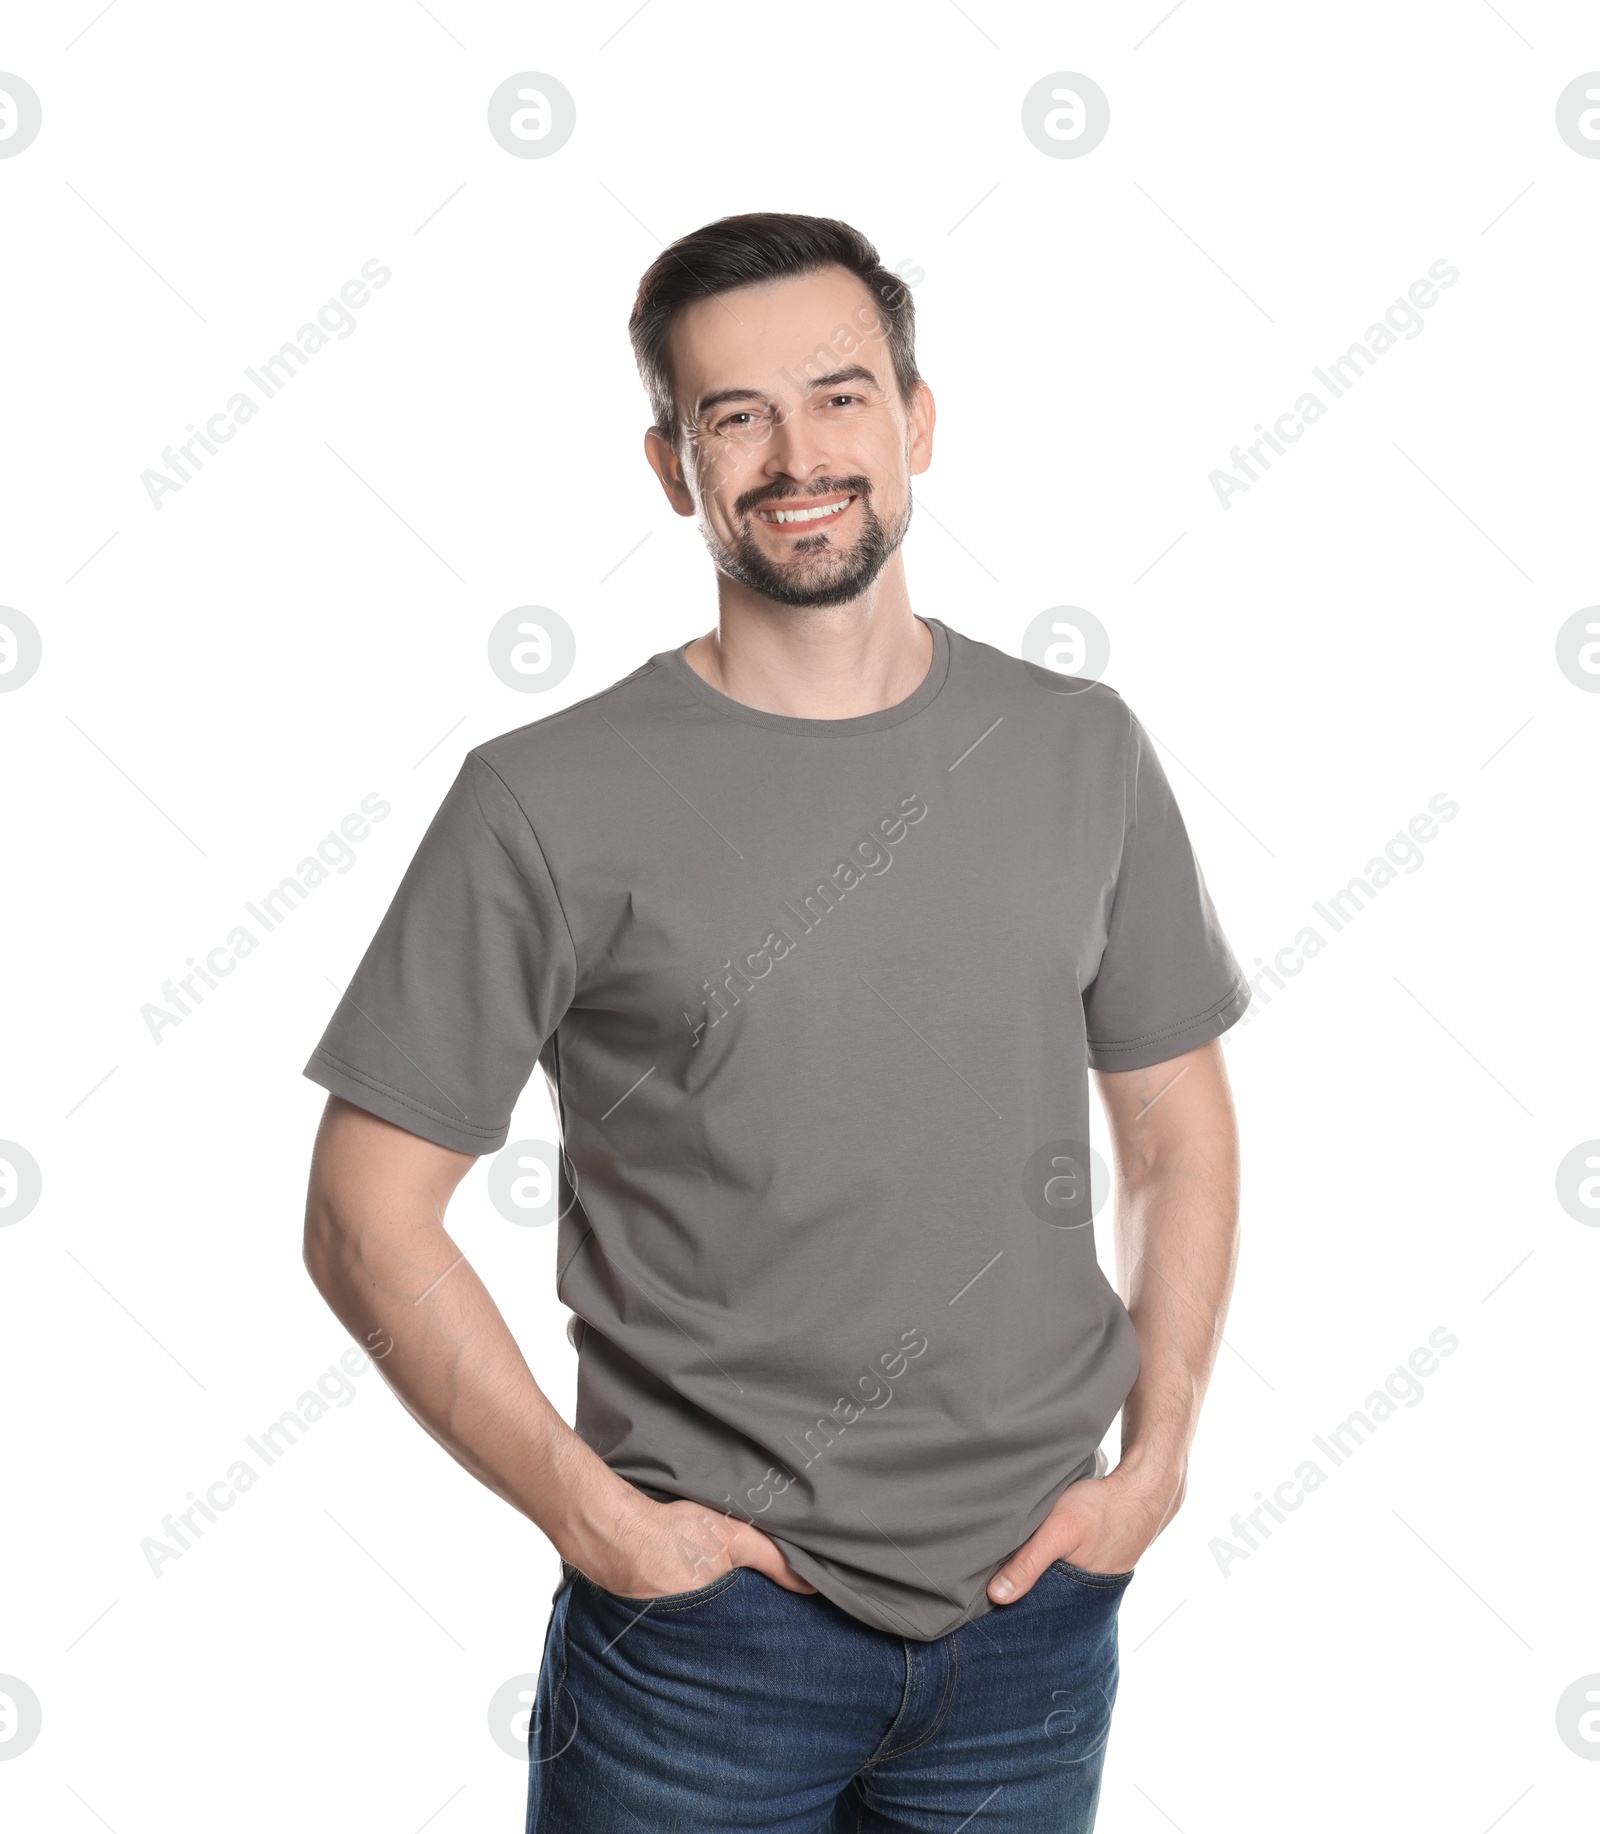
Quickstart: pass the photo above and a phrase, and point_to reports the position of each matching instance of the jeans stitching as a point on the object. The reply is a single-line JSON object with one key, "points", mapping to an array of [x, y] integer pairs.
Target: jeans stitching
{"points": [[908, 1694], [1085, 1577], [555, 1714], [673, 1601], [951, 1674]]}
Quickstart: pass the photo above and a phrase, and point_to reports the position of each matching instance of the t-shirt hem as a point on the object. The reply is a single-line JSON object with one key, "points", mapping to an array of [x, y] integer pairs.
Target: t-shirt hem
{"points": [[868, 1608], [354, 1086], [1173, 1040]]}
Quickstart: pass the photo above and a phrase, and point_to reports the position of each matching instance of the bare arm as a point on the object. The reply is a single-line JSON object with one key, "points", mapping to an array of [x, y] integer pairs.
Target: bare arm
{"points": [[377, 1250], [1177, 1151]]}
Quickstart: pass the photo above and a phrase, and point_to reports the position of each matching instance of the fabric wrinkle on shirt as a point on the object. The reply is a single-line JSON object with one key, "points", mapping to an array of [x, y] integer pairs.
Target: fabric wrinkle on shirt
{"points": [[817, 1001]]}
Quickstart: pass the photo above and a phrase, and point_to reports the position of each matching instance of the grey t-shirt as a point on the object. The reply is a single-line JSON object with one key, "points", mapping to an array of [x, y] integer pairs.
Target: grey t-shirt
{"points": [[816, 1001]]}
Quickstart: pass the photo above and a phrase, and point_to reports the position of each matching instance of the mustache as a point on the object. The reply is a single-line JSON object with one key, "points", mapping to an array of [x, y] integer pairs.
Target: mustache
{"points": [[766, 494]]}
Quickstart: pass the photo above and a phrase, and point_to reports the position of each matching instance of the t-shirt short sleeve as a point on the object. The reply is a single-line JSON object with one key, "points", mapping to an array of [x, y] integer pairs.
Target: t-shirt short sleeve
{"points": [[468, 975], [1167, 980]]}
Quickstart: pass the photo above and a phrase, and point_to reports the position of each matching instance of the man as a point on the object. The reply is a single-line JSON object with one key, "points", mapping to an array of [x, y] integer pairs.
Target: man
{"points": [[815, 925]]}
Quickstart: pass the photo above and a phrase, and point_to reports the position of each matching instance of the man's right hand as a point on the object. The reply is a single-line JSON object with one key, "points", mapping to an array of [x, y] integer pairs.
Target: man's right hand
{"points": [[653, 1550], [377, 1249]]}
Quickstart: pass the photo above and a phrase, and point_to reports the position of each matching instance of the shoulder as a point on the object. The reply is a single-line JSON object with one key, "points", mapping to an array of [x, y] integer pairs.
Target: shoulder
{"points": [[1070, 707], [569, 737]]}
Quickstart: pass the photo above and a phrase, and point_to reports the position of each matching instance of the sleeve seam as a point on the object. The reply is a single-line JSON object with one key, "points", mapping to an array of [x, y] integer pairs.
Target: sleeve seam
{"points": [[382, 1088], [533, 833], [1200, 1018], [1130, 790]]}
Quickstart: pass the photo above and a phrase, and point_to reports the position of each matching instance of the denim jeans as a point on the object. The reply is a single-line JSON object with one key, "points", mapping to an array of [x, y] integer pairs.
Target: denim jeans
{"points": [[742, 1706]]}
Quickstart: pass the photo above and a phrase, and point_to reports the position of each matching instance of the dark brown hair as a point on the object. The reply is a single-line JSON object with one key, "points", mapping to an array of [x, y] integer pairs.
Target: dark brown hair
{"points": [[746, 251]]}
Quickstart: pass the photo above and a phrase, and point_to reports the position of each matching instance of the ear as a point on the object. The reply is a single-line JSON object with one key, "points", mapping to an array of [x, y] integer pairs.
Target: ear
{"points": [[921, 419], [668, 467]]}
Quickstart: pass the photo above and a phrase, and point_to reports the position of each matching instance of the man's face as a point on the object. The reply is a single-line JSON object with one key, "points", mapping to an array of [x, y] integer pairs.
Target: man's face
{"points": [[795, 449]]}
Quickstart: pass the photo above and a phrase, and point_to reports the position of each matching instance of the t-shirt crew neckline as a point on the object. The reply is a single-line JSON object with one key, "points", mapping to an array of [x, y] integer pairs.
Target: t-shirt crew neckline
{"points": [[677, 665]]}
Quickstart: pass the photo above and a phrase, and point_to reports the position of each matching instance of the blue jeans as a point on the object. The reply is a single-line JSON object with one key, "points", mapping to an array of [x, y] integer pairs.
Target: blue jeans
{"points": [[743, 1706]]}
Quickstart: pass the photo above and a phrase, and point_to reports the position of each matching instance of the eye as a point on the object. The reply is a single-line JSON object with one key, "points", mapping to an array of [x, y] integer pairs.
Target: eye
{"points": [[834, 399]]}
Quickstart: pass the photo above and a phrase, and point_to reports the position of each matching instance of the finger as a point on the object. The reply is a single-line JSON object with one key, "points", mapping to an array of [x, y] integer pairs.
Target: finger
{"points": [[1016, 1578], [788, 1578], [758, 1550], [767, 1557]]}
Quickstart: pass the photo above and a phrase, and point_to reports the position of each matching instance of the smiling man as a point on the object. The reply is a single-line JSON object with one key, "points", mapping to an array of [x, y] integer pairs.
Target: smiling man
{"points": [[816, 925]]}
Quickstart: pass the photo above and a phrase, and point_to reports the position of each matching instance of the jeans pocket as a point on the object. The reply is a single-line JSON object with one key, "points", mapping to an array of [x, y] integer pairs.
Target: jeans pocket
{"points": [[1106, 1581], [671, 1601]]}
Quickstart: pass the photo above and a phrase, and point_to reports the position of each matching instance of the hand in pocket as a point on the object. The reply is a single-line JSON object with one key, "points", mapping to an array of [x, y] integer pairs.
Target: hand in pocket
{"points": [[656, 1550]]}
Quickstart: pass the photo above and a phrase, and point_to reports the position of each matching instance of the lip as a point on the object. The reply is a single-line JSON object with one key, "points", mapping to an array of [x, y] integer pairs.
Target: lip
{"points": [[843, 499]]}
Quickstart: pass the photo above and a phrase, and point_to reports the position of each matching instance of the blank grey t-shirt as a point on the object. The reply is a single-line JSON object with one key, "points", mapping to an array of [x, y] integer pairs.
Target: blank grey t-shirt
{"points": [[816, 1000]]}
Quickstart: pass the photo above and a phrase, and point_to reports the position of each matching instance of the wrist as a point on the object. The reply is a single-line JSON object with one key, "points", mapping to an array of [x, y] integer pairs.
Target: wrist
{"points": [[1156, 1471], [596, 1511]]}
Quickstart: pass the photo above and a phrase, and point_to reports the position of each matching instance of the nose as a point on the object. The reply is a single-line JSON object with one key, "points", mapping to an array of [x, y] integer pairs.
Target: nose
{"points": [[796, 451]]}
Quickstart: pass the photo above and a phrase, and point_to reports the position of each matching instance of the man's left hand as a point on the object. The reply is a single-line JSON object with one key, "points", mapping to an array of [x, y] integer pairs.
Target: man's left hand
{"points": [[1103, 1524]]}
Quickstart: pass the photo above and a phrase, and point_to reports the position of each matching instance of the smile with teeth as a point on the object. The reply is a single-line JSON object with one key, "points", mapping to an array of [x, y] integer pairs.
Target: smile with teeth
{"points": [[819, 514]]}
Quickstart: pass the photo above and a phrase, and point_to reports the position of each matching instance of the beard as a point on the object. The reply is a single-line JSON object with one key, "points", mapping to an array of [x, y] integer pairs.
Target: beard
{"points": [[816, 570]]}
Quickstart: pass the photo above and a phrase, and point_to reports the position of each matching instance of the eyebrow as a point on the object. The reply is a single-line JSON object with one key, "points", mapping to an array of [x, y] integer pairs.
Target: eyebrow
{"points": [[856, 372]]}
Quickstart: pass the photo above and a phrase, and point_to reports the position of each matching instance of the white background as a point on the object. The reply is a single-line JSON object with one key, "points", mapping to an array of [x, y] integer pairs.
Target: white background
{"points": [[1371, 624]]}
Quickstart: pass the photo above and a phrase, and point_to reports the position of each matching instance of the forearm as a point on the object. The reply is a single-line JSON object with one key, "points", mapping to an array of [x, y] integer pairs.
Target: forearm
{"points": [[1177, 1249], [415, 1304]]}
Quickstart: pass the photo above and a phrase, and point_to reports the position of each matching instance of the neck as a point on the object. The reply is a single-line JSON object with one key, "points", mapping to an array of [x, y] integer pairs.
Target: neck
{"points": [[833, 662]]}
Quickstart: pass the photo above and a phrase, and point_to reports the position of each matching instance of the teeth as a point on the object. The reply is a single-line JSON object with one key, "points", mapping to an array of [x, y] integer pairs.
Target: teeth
{"points": [[804, 515]]}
